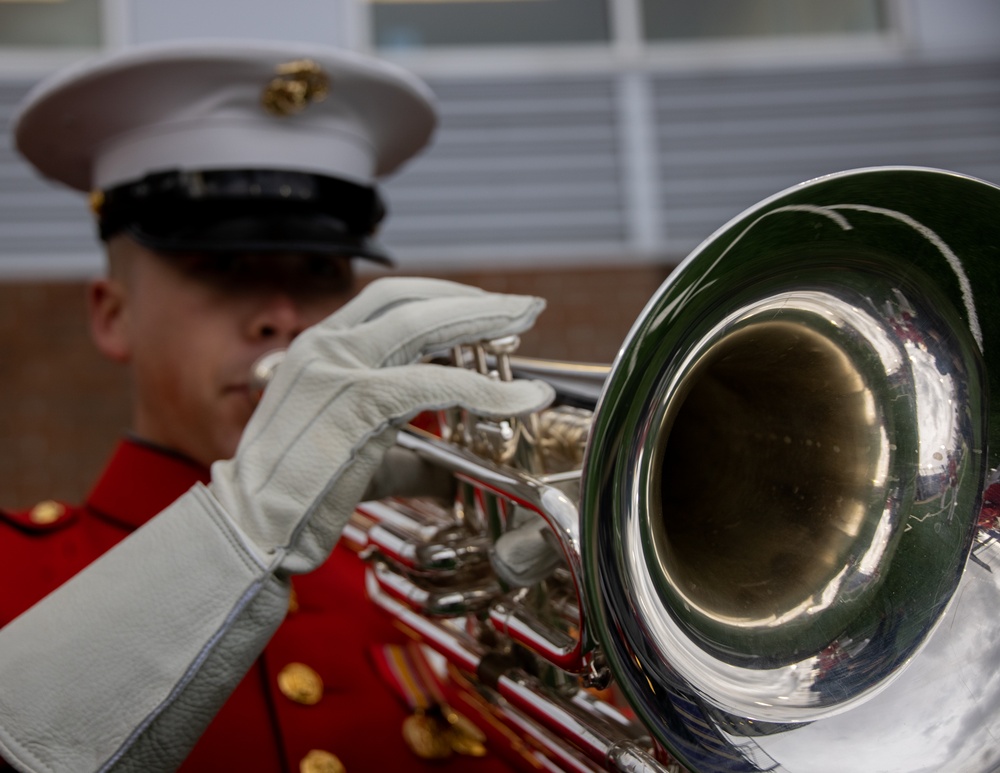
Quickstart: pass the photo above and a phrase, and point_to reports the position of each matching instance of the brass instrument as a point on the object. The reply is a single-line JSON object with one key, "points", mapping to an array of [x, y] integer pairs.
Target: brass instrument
{"points": [[778, 542]]}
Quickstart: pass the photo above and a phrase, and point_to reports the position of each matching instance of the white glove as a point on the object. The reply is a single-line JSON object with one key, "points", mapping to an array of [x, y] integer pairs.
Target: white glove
{"points": [[122, 667], [344, 387]]}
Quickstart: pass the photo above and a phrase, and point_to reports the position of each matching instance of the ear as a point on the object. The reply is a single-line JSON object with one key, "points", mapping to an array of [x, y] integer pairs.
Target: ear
{"points": [[107, 307]]}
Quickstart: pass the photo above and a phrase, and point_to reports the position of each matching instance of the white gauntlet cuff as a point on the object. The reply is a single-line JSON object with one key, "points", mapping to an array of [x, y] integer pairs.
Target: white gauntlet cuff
{"points": [[162, 628]]}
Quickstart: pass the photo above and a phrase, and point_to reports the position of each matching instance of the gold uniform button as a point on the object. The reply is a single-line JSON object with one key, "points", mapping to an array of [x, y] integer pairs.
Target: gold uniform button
{"points": [[46, 512], [96, 200], [319, 761], [300, 683]]}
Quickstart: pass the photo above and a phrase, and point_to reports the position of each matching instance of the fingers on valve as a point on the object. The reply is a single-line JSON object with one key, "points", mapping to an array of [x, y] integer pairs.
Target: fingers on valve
{"points": [[409, 332], [408, 390], [387, 293]]}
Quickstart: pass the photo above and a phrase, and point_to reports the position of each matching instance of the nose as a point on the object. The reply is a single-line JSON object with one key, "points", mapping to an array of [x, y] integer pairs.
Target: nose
{"points": [[276, 318]]}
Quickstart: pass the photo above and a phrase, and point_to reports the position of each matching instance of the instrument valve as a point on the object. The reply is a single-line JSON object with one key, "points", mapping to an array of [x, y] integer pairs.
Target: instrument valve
{"points": [[598, 675]]}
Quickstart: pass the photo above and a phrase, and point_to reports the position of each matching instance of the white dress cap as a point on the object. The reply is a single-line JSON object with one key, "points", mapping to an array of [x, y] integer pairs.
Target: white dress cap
{"points": [[224, 104]]}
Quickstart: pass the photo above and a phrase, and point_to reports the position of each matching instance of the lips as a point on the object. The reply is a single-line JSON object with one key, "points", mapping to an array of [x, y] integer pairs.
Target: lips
{"points": [[243, 394]]}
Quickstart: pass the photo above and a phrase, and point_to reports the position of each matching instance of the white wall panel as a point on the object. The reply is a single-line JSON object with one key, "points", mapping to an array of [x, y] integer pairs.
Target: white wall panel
{"points": [[726, 142]]}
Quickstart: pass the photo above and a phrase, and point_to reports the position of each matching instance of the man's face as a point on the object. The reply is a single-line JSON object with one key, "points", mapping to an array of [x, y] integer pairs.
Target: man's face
{"points": [[191, 327]]}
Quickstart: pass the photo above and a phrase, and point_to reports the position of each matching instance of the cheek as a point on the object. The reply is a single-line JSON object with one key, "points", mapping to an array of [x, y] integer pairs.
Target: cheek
{"points": [[164, 378], [177, 364]]}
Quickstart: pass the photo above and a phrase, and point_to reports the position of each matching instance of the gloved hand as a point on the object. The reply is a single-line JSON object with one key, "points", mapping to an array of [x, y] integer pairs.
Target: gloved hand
{"points": [[337, 398], [122, 667]]}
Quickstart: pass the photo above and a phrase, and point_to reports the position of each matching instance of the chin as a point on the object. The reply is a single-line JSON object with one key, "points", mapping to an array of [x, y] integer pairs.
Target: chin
{"points": [[216, 447], [226, 449]]}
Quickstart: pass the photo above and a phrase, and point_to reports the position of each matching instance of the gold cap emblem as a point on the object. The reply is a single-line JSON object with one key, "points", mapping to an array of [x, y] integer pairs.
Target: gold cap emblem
{"points": [[300, 683], [96, 201], [297, 84]]}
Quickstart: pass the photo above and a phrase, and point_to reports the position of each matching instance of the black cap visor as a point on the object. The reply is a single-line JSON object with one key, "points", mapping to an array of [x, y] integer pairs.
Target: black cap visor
{"points": [[247, 211]]}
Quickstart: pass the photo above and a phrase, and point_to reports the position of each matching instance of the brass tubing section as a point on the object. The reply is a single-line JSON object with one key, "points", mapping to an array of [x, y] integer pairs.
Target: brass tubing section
{"points": [[593, 736]]}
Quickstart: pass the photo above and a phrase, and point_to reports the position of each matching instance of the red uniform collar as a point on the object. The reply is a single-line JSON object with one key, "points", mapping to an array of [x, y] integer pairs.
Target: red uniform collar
{"points": [[140, 481]]}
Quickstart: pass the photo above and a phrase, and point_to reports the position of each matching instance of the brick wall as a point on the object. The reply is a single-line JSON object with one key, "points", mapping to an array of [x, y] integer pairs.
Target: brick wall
{"points": [[63, 407]]}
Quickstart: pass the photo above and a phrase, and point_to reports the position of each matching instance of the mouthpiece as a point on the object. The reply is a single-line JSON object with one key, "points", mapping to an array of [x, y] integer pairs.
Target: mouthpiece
{"points": [[263, 371]]}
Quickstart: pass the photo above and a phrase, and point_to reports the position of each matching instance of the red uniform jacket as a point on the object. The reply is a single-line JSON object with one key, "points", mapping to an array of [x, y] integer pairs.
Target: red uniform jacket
{"points": [[331, 629]]}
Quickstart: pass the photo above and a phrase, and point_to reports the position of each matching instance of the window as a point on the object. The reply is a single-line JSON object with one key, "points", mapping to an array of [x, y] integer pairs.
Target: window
{"points": [[50, 23], [682, 20], [405, 24], [440, 24]]}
